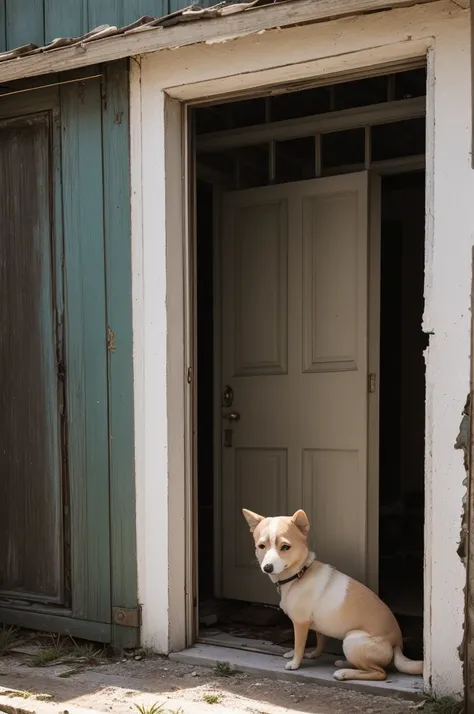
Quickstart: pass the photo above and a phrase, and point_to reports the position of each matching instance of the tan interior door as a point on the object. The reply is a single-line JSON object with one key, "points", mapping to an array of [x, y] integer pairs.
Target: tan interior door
{"points": [[294, 353]]}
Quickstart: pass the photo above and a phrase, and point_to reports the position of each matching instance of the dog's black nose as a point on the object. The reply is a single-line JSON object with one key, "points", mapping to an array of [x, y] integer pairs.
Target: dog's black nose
{"points": [[268, 568]]}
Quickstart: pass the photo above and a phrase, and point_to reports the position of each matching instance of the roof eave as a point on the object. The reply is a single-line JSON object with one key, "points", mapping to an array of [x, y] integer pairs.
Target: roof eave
{"points": [[217, 28]]}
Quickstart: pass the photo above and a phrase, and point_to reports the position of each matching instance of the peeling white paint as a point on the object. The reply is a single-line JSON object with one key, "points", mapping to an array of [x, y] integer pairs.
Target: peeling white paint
{"points": [[447, 318]]}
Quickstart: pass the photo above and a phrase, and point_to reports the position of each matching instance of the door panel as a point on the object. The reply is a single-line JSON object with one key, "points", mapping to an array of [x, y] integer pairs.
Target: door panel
{"points": [[260, 269], [31, 527], [294, 352]]}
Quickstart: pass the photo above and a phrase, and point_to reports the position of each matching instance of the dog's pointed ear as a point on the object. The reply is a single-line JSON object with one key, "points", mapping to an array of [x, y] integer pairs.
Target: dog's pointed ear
{"points": [[253, 519], [300, 519]]}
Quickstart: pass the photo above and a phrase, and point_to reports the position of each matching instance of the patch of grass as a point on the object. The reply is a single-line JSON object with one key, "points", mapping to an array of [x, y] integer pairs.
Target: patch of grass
{"points": [[83, 654], [9, 639], [55, 652], [153, 709], [443, 705], [211, 698], [223, 669], [65, 651]]}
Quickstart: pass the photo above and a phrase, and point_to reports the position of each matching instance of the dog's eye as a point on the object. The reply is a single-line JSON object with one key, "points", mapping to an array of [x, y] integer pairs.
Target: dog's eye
{"points": [[261, 546], [285, 547]]}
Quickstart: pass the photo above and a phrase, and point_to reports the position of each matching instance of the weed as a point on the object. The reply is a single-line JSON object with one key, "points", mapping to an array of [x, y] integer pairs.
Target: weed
{"points": [[154, 709], [443, 705], [9, 639], [223, 669], [50, 654], [212, 698], [66, 652], [83, 654]]}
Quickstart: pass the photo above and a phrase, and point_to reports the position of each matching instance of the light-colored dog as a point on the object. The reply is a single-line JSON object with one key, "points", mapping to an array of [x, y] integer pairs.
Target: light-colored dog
{"points": [[318, 597]]}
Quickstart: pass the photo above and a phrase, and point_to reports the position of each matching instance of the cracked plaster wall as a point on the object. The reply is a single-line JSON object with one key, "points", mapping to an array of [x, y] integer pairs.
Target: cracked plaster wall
{"points": [[450, 236]]}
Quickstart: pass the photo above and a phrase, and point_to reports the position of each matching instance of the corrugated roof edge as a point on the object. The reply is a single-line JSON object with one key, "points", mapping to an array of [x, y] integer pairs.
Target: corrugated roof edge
{"points": [[191, 13]]}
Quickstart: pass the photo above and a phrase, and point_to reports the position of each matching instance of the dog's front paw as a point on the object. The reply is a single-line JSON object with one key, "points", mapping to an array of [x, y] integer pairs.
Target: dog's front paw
{"points": [[289, 655], [292, 665], [342, 674]]}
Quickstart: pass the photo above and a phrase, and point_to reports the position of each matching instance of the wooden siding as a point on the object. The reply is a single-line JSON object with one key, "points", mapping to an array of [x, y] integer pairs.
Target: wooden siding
{"points": [[117, 219], [40, 21], [70, 179], [86, 381]]}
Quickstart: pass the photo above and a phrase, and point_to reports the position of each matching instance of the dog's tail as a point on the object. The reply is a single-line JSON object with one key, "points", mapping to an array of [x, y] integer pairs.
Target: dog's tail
{"points": [[405, 665]]}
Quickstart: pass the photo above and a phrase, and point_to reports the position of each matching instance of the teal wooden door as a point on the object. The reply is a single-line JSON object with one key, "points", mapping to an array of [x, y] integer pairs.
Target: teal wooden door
{"points": [[68, 487], [31, 394]]}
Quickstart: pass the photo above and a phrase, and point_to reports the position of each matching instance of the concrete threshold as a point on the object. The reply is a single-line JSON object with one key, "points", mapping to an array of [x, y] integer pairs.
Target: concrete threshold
{"points": [[312, 671]]}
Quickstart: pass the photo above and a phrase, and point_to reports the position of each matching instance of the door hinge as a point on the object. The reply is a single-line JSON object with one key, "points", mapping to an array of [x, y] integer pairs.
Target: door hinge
{"points": [[190, 375], [127, 617], [372, 382]]}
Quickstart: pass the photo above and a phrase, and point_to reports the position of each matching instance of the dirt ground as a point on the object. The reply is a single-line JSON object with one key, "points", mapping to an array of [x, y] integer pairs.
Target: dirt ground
{"points": [[124, 685]]}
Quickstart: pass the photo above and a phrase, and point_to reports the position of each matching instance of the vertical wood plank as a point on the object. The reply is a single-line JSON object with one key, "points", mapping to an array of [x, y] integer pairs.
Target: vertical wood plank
{"points": [[116, 161], [105, 12], [63, 18], [21, 31], [3, 27], [86, 377], [134, 9]]}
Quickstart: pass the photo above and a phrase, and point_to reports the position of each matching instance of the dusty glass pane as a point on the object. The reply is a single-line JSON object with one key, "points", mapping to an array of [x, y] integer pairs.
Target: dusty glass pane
{"points": [[223, 164], [294, 159], [253, 166], [300, 104], [230, 115], [343, 148], [402, 138], [410, 84], [363, 92]]}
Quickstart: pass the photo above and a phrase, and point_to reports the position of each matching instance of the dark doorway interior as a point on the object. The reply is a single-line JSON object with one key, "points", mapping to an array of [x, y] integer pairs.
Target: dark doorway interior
{"points": [[402, 399], [402, 373]]}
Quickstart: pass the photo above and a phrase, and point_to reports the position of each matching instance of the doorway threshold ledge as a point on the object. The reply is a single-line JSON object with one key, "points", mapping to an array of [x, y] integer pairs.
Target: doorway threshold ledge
{"points": [[318, 672]]}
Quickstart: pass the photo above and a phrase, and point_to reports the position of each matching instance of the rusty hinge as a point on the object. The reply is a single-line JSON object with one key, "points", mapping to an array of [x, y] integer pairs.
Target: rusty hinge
{"points": [[126, 617]]}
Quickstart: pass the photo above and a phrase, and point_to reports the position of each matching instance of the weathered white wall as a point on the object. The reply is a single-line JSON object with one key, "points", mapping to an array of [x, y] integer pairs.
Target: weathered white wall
{"points": [[158, 284], [447, 317]]}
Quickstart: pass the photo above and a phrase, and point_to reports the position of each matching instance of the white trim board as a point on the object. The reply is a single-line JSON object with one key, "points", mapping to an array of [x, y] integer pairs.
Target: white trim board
{"points": [[311, 52]]}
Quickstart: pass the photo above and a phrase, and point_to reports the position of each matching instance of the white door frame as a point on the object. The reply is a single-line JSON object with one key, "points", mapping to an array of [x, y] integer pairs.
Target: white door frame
{"points": [[161, 279]]}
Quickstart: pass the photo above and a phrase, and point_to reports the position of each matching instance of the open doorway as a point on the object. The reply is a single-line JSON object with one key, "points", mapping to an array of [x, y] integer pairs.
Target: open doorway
{"points": [[255, 155]]}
